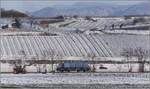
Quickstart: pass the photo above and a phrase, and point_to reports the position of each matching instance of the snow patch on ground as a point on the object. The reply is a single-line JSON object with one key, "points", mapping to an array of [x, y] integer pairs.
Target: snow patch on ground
{"points": [[25, 79]]}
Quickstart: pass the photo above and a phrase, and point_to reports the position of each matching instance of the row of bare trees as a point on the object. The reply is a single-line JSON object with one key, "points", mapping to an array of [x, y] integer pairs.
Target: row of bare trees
{"points": [[21, 63], [139, 53]]}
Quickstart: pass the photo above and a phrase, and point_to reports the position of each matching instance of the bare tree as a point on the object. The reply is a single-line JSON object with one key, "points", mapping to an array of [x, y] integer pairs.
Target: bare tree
{"points": [[141, 55], [92, 58], [127, 53], [38, 65], [51, 55], [19, 65]]}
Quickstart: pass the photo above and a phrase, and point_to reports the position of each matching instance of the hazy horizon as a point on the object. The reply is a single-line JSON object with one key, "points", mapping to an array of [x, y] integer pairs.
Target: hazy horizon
{"points": [[34, 5]]}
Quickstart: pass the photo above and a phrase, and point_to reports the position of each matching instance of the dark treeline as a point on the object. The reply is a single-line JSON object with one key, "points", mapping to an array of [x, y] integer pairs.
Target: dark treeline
{"points": [[12, 13]]}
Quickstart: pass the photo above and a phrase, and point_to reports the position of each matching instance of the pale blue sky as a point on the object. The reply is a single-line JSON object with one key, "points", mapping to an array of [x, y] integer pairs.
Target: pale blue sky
{"points": [[33, 5]]}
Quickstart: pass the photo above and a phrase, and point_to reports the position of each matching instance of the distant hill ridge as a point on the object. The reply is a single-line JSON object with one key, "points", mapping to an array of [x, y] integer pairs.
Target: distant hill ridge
{"points": [[12, 13], [94, 9]]}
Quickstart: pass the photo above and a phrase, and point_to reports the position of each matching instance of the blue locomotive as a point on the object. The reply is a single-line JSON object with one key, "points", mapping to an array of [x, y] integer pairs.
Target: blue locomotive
{"points": [[79, 66]]}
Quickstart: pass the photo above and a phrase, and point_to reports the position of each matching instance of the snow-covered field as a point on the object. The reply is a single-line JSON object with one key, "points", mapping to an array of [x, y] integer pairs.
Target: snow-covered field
{"points": [[69, 78], [74, 44], [133, 32]]}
